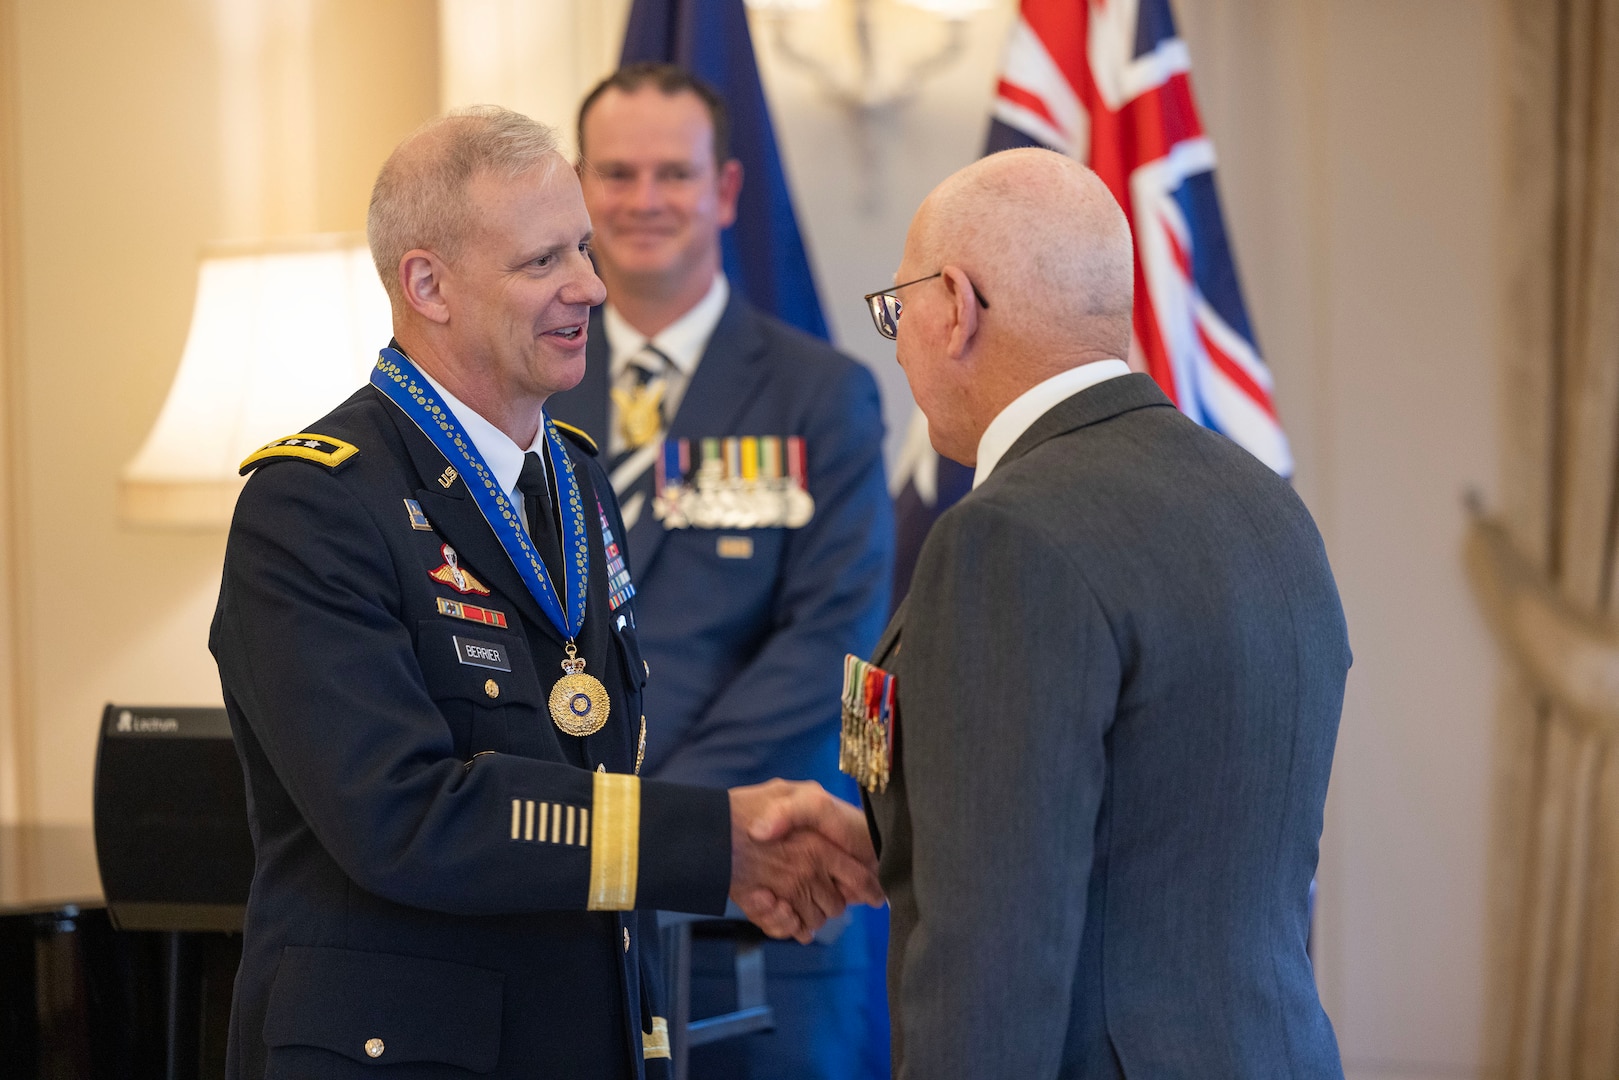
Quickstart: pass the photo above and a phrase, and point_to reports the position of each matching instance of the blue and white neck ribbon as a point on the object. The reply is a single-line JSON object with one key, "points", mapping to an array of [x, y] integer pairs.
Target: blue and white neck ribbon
{"points": [[398, 378]]}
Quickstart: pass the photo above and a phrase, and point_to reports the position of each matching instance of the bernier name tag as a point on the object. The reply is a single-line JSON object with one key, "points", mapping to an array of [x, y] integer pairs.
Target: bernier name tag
{"points": [[485, 654]]}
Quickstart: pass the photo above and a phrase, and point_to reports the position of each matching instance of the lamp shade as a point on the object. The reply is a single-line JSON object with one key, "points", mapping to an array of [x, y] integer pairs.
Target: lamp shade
{"points": [[280, 334]]}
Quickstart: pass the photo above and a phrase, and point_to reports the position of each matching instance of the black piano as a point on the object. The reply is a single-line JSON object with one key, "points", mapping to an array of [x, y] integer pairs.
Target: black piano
{"points": [[137, 985]]}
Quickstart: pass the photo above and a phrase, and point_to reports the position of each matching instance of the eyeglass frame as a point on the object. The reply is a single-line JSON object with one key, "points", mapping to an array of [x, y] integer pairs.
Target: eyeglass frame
{"points": [[877, 303]]}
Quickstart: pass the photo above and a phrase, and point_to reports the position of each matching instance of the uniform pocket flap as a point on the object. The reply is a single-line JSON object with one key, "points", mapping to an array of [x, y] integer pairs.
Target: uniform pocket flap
{"points": [[377, 1007]]}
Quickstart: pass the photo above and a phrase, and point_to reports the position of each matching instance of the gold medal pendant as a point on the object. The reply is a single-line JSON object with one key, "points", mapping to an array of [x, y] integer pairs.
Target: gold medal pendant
{"points": [[578, 701]]}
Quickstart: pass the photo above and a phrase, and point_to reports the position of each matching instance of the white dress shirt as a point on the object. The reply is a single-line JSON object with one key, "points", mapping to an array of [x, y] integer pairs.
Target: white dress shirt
{"points": [[682, 341], [503, 456], [1029, 406]]}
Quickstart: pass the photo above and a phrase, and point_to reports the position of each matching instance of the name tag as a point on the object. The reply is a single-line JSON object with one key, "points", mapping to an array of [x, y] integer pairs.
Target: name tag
{"points": [[485, 654], [734, 547]]}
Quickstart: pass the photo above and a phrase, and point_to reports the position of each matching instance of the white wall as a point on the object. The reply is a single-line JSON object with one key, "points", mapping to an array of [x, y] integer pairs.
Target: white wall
{"points": [[125, 168], [1408, 389]]}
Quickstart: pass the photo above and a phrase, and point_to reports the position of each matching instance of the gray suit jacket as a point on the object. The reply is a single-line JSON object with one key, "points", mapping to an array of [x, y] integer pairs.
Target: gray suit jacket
{"points": [[1119, 674]]}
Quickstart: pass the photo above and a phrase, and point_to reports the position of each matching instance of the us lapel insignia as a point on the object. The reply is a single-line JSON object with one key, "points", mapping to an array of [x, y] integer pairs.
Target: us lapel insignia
{"points": [[457, 577], [455, 609], [418, 520], [447, 477]]}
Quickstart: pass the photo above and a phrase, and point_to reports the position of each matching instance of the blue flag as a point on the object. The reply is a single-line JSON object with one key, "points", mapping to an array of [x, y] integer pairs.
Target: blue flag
{"points": [[763, 253]]}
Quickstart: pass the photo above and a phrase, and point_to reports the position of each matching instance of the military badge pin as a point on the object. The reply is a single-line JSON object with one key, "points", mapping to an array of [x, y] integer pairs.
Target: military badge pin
{"points": [[418, 520], [866, 747], [457, 577]]}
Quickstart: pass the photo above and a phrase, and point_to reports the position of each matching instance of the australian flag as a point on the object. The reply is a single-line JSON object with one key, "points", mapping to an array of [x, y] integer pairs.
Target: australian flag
{"points": [[763, 252], [1108, 82]]}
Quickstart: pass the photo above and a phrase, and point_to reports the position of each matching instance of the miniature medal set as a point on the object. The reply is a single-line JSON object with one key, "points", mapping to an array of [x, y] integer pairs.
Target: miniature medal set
{"points": [[866, 749], [747, 482]]}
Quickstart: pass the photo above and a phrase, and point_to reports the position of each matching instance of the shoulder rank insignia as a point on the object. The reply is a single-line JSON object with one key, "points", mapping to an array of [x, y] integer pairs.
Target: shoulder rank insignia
{"points": [[578, 436], [457, 577], [322, 449]]}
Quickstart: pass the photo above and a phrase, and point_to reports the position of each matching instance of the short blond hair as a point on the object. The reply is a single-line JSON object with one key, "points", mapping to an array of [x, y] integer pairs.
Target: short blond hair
{"points": [[420, 197]]}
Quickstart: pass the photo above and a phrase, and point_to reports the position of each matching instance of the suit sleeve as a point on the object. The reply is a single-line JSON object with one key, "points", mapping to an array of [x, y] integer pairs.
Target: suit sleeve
{"points": [[1008, 681], [342, 734], [780, 710]]}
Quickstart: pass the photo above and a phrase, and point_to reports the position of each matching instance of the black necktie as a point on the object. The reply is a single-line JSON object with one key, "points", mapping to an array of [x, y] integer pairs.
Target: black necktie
{"points": [[535, 485]]}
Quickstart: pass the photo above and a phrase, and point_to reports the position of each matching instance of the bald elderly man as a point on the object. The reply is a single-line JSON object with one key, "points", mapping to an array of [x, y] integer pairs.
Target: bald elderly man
{"points": [[1117, 681]]}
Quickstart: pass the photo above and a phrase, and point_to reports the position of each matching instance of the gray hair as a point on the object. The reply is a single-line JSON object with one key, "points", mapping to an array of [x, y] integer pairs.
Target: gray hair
{"points": [[419, 199]]}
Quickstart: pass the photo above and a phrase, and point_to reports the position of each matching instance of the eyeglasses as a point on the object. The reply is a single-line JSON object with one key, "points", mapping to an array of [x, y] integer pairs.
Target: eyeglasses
{"points": [[886, 307]]}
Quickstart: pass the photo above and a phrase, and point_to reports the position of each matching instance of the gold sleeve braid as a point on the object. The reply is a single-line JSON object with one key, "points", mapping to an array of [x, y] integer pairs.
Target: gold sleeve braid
{"points": [[655, 1043], [615, 843]]}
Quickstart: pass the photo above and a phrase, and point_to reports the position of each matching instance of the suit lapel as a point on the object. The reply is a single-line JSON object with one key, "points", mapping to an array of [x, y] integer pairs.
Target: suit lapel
{"points": [[456, 517], [890, 637], [720, 391]]}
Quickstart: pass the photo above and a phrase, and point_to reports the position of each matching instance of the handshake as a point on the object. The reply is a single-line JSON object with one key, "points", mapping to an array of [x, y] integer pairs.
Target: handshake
{"points": [[798, 857]]}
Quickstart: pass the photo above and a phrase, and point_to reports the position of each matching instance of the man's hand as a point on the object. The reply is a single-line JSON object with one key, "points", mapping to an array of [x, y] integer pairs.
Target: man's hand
{"points": [[798, 857]]}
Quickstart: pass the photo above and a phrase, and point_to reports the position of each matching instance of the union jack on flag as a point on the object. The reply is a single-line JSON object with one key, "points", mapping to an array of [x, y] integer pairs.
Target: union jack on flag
{"points": [[1108, 82]]}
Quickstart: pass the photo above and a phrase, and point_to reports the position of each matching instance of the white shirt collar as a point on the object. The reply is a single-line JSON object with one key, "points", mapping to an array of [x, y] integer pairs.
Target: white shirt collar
{"points": [[682, 341], [1034, 403], [503, 456]]}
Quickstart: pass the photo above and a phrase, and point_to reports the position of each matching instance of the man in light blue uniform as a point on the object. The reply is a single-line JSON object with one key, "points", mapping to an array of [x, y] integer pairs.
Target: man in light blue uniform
{"points": [[748, 460]]}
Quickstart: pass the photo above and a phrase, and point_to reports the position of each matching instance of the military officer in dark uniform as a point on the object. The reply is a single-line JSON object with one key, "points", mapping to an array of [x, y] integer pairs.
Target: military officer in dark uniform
{"points": [[426, 639]]}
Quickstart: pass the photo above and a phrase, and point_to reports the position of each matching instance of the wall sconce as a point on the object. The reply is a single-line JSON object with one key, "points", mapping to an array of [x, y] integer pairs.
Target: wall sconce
{"points": [[870, 88], [867, 87], [280, 334]]}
